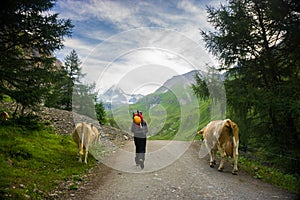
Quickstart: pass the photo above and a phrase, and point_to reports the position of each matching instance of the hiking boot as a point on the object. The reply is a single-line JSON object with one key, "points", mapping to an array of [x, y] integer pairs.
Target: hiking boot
{"points": [[137, 162], [142, 163]]}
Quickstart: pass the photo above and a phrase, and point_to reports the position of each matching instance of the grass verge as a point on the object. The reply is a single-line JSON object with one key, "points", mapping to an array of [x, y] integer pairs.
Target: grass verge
{"points": [[271, 175], [34, 160]]}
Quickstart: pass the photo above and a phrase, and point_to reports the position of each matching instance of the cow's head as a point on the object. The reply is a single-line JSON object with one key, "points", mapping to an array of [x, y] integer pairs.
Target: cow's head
{"points": [[201, 131]]}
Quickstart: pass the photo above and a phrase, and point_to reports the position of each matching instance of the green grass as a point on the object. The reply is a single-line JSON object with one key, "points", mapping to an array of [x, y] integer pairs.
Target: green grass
{"points": [[271, 175], [167, 118], [34, 160]]}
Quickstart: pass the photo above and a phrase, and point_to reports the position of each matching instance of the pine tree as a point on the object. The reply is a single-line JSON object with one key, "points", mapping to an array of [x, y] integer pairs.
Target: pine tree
{"points": [[58, 91], [257, 44], [74, 74], [83, 99], [100, 112], [29, 33]]}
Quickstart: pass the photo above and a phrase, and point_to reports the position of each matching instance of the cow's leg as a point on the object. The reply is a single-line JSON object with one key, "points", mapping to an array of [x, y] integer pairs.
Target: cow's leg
{"points": [[212, 162], [80, 152], [235, 169], [213, 157], [223, 157], [86, 154], [235, 156], [80, 159]]}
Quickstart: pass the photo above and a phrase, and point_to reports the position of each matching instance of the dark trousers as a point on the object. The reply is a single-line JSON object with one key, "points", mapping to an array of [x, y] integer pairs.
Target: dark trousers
{"points": [[140, 148]]}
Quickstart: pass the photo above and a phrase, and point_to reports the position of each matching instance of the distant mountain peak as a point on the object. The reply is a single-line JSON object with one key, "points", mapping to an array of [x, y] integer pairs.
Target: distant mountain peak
{"points": [[116, 97]]}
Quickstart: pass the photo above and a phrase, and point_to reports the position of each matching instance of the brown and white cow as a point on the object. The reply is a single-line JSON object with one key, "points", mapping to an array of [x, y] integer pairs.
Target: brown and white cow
{"points": [[222, 135], [84, 134]]}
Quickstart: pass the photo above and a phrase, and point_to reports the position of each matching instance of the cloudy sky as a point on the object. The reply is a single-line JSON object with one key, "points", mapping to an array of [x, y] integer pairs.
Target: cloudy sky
{"points": [[136, 45]]}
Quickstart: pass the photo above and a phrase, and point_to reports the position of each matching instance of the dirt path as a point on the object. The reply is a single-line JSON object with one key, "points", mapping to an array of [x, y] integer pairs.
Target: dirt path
{"points": [[188, 177], [167, 175]]}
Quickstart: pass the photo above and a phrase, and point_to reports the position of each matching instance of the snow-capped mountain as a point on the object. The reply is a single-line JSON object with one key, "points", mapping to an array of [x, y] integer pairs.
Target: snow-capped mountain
{"points": [[116, 97]]}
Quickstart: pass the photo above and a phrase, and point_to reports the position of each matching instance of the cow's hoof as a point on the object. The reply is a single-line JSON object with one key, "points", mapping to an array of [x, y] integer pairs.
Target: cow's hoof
{"points": [[212, 164], [234, 173], [220, 169]]}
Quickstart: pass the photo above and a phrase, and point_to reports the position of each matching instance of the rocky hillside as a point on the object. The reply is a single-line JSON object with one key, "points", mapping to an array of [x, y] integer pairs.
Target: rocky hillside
{"points": [[64, 121]]}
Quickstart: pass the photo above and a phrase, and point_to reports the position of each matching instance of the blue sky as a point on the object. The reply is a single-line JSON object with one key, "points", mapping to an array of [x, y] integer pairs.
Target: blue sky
{"points": [[136, 45]]}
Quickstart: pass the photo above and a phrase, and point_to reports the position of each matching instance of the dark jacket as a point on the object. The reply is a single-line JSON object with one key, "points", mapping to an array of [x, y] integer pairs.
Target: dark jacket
{"points": [[139, 131]]}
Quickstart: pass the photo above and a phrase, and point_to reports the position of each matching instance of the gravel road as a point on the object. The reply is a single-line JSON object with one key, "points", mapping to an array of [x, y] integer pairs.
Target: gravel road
{"points": [[188, 177], [173, 170]]}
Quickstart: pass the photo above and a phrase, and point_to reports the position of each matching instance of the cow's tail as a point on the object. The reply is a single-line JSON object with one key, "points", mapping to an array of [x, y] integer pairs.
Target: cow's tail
{"points": [[82, 139]]}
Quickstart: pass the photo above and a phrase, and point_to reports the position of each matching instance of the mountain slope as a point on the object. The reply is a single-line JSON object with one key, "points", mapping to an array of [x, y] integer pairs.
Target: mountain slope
{"points": [[172, 111]]}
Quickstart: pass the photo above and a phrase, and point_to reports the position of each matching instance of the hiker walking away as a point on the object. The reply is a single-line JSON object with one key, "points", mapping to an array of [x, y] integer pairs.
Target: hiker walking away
{"points": [[140, 129]]}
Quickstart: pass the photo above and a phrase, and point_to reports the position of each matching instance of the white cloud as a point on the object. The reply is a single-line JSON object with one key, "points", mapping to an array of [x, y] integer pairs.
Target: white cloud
{"points": [[124, 54], [110, 39]]}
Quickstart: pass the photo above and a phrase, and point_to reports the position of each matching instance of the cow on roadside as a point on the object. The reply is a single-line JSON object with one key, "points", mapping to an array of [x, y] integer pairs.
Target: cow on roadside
{"points": [[222, 135], [85, 134]]}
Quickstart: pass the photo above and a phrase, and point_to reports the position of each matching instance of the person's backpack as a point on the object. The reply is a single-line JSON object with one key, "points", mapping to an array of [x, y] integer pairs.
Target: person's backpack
{"points": [[137, 120]]}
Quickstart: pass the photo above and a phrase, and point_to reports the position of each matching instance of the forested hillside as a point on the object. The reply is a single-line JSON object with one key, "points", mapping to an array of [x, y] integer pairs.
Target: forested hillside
{"points": [[30, 74], [257, 43]]}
